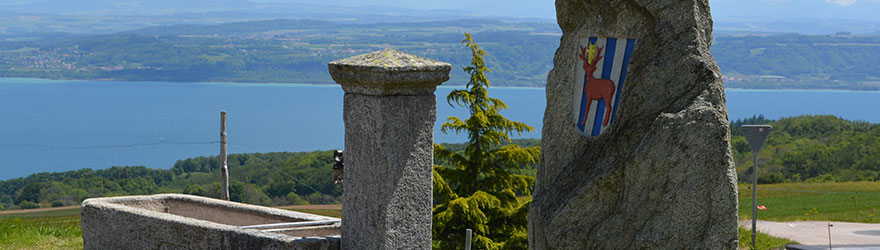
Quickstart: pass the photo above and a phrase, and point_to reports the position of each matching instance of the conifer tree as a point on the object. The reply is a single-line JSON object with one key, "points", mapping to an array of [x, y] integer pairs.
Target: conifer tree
{"points": [[477, 189]]}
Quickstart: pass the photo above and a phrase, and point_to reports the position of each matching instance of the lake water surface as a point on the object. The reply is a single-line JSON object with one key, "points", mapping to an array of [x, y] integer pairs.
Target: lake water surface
{"points": [[50, 126]]}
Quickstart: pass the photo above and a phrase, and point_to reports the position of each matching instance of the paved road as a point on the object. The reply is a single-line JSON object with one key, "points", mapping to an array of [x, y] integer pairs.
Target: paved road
{"points": [[814, 234]]}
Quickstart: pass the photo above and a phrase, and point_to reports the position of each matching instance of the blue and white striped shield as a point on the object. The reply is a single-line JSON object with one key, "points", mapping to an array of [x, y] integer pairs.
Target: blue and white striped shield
{"points": [[599, 76]]}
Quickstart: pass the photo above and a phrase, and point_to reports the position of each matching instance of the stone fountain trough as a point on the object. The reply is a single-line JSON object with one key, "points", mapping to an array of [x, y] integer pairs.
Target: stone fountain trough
{"points": [[175, 221]]}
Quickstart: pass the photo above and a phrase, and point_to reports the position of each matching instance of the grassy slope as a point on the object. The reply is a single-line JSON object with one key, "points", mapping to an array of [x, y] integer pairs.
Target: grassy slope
{"points": [[762, 241], [785, 202], [60, 229], [843, 201], [836, 201], [41, 230]]}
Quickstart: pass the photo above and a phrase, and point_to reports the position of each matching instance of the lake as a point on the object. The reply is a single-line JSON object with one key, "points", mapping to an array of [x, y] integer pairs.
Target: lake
{"points": [[48, 126]]}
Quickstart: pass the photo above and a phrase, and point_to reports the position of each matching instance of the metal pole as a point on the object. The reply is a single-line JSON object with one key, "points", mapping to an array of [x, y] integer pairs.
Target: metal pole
{"points": [[754, 199], [829, 235], [755, 135], [224, 170], [468, 238]]}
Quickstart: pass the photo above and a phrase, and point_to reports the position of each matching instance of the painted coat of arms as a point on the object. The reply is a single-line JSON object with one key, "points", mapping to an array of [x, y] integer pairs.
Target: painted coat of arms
{"points": [[599, 82]]}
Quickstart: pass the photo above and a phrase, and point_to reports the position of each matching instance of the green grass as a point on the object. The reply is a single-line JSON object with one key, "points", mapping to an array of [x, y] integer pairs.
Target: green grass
{"points": [[844, 201], [847, 201], [762, 241], [61, 229], [47, 230], [45, 214]]}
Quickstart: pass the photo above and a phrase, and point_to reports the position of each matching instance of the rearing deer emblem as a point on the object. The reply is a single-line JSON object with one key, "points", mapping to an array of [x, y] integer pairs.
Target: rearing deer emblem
{"points": [[596, 89], [605, 62]]}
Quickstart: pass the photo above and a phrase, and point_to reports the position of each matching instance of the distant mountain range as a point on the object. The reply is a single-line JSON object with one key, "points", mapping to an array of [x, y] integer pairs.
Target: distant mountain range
{"points": [[807, 26], [497, 8], [722, 10], [107, 16], [124, 7], [797, 9], [299, 9]]}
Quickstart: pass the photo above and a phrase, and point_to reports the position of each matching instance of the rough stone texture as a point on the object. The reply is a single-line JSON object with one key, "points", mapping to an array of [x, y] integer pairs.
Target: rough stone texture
{"points": [[662, 176], [389, 72], [389, 113], [172, 221], [388, 161]]}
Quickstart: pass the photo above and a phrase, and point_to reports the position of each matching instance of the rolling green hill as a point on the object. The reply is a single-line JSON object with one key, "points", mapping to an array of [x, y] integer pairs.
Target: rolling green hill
{"points": [[271, 179], [798, 61], [811, 149], [257, 178]]}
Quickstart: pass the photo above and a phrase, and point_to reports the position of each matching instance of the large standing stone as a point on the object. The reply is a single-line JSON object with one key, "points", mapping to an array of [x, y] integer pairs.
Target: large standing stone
{"points": [[661, 174], [389, 113]]}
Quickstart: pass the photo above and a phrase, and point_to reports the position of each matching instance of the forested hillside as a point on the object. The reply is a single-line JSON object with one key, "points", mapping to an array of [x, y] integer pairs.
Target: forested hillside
{"points": [[798, 61], [800, 149], [273, 179], [811, 149], [297, 51], [257, 178]]}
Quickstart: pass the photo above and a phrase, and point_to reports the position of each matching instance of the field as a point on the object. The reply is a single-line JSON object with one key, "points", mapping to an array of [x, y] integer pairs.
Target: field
{"points": [[762, 241], [837, 201], [55, 229], [60, 229], [845, 201]]}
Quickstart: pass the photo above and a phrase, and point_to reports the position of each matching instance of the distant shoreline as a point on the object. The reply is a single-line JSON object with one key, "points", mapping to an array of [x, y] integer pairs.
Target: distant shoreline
{"points": [[804, 89], [49, 80]]}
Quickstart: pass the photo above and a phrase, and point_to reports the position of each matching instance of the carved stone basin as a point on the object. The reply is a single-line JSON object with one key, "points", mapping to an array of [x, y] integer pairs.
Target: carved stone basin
{"points": [[175, 221]]}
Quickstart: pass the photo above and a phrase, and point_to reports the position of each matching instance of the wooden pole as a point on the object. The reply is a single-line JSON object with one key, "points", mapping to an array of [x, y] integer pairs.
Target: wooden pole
{"points": [[224, 170]]}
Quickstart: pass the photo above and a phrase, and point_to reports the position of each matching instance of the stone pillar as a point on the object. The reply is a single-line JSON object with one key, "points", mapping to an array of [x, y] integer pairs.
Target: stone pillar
{"points": [[635, 152], [389, 113]]}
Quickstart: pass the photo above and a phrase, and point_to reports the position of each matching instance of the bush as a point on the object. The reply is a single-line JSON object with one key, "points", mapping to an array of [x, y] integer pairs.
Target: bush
{"points": [[317, 198], [795, 178], [57, 204], [194, 189], [236, 191], [28, 205], [30, 192], [770, 178], [822, 178], [294, 199], [856, 175]]}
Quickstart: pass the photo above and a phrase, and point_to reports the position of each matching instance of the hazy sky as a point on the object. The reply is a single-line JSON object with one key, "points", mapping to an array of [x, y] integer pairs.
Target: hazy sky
{"points": [[844, 9], [721, 9], [850, 9]]}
